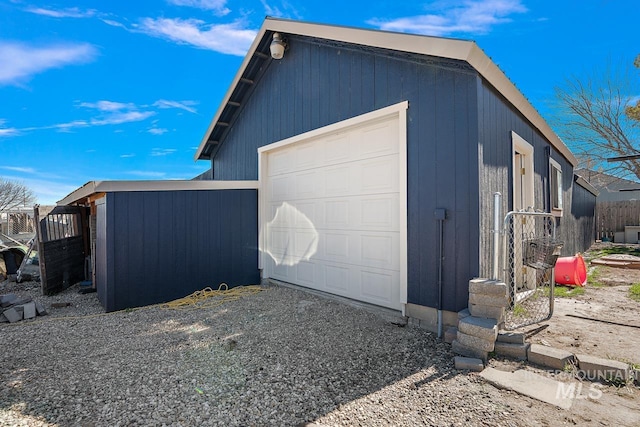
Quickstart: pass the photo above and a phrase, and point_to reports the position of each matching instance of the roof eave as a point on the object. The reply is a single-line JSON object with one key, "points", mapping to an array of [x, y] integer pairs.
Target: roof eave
{"points": [[456, 49]]}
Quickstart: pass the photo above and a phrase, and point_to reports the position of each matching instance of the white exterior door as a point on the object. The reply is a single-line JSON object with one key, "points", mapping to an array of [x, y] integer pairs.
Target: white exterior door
{"points": [[333, 209]]}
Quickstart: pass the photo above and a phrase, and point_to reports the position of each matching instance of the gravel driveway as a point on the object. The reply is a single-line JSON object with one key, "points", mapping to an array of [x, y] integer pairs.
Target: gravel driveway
{"points": [[280, 357]]}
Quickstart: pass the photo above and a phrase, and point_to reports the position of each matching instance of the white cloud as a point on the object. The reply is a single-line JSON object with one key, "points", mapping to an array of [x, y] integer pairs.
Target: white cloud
{"points": [[21, 61], [232, 39], [127, 156], [217, 6], [107, 105], [122, 117], [285, 10], [19, 169], [115, 113], [469, 17], [114, 23], [69, 12], [7, 132], [155, 152], [148, 174], [183, 105], [157, 131]]}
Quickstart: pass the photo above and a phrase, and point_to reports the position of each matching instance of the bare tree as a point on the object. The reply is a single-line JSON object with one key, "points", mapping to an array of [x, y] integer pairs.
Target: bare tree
{"points": [[599, 118], [14, 194]]}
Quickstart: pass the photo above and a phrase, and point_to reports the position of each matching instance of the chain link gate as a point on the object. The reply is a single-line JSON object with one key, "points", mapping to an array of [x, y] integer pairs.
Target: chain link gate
{"points": [[531, 250]]}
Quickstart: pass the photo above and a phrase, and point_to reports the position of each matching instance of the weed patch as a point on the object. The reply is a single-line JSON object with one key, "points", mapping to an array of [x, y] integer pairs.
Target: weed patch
{"points": [[634, 292]]}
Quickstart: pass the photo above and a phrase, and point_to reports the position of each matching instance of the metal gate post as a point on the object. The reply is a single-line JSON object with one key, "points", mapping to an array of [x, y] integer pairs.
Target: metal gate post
{"points": [[497, 221]]}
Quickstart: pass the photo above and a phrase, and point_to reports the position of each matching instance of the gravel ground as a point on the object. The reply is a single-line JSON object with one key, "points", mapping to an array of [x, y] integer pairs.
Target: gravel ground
{"points": [[280, 357]]}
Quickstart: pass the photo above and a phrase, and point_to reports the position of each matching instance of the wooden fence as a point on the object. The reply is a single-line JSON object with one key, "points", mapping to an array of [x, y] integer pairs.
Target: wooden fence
{"points": [[612, 217]]}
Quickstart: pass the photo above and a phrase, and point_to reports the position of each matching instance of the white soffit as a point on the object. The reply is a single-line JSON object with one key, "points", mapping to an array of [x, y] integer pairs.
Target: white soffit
{"points": [[426, 45]]}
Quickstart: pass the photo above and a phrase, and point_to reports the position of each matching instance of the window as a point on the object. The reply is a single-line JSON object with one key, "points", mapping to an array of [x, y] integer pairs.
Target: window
{"points": [[555, 184]]}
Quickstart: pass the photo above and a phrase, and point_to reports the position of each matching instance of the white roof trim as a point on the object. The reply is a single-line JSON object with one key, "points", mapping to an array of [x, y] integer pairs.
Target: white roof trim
{"points": [[585, 184], [94, 187], [433, 46]]}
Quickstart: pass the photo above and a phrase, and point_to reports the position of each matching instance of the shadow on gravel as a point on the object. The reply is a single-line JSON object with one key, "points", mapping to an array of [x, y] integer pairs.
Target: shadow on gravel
{"points": [[282, 357]]}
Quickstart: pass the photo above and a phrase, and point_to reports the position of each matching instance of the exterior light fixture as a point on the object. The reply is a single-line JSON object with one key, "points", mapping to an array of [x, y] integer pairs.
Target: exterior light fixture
{"points": [[277, 46]]}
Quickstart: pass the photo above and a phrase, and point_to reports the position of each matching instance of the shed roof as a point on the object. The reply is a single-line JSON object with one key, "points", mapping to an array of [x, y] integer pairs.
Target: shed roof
{"points": [[463, 50], [96, 187]]}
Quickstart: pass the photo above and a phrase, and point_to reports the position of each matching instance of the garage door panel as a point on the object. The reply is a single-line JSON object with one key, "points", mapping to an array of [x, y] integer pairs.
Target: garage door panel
{"points": [[333, 213], [378, 139], [378, 286]]}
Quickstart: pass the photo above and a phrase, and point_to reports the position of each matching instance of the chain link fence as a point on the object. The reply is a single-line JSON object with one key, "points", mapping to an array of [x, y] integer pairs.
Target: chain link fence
{"points": [[531, 250], [17, 226]]}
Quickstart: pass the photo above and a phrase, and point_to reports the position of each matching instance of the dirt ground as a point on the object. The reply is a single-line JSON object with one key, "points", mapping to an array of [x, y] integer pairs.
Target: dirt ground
{"points": [[605, 301]]}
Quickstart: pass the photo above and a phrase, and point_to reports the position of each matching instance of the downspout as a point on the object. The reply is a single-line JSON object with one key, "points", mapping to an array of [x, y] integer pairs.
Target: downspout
{"points": [[441, 215]]}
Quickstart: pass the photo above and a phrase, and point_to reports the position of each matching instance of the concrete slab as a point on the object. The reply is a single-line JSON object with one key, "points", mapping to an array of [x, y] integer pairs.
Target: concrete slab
{"points": [[8, 299], [29, 310], [530, 384], [597, 369], [480, 327], [463, 313], [450, 334], [550, 357], [463, 350], [469, 363], [516, 351], [13, 315], [475, 342], [40, 310], [511, 337]]}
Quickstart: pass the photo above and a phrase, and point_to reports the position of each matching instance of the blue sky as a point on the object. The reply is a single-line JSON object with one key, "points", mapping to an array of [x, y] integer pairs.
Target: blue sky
{"points": [[117, 90]]}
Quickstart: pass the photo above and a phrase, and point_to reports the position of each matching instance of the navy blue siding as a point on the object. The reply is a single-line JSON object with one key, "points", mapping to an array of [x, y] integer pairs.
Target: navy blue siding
{"points": [[164, 245], [497, 119], [582, 225], [316, 85]]}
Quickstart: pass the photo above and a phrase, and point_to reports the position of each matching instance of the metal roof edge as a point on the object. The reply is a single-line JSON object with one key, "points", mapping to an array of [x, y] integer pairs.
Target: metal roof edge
{"points": [[585, 184], [457, 49], [94, 187]]}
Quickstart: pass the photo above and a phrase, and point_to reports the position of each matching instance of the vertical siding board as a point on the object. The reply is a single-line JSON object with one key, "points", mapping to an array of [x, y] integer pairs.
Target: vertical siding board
{"points": [[426, 169], [191, 241]]}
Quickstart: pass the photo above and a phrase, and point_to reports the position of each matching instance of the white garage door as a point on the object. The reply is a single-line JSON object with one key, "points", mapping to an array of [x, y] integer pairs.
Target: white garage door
{"points": [[331, 209]]}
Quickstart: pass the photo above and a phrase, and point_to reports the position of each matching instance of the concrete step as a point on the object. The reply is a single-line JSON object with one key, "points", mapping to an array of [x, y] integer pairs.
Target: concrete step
{"points": [[486, 329], [550, 357], [516, 351], [469, 363]]}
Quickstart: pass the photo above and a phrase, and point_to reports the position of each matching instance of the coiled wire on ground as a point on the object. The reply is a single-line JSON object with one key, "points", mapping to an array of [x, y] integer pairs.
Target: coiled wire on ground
{"points": [[208, 298]]}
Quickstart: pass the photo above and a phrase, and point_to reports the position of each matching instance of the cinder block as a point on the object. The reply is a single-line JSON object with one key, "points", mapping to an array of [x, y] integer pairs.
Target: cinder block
{"points": [[511, 337], [29, 310], [450, 334], [487, 287], [597, 369], [40, 310], [486, 329], [516, 351], [550, 357], [490, 300], [469, 363], [463, 350], [475, 342], [463, 313], [13, 315], [487, 312]]}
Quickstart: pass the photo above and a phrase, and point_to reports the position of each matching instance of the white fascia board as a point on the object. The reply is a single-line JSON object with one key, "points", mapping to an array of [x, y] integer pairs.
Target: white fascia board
{"points": [[94, 187], [463, 50], [585, 184], [234, 83]]}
